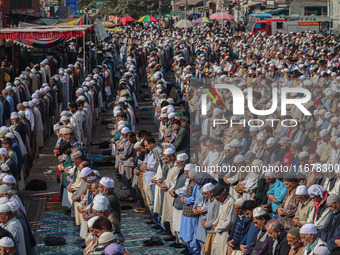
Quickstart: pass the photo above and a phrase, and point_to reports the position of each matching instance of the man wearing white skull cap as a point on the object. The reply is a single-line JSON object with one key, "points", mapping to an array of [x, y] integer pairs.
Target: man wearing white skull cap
{"points": [[212, 208], [12, 224], [308, 234], [7, 246], [106, 188]]}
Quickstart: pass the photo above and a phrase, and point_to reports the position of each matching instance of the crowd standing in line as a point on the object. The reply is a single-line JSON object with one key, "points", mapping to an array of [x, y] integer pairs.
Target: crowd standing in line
{"points": [[206, 212]]}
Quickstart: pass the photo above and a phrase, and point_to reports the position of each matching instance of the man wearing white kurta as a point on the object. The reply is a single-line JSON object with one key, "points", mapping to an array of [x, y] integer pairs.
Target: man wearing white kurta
{"points": [[12, 225], [224, 222]]}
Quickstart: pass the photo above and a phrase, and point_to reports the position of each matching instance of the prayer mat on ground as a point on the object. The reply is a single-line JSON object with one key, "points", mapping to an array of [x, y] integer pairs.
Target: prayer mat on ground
{"points": [[135, 230]]}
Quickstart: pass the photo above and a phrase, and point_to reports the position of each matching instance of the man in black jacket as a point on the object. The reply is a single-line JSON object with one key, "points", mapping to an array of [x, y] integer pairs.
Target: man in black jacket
{"points": [[278, 244]]}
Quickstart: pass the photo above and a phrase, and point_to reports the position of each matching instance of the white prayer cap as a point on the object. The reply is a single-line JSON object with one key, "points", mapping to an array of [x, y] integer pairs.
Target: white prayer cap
{"points": [[106, 237], [235, 143], [10, 135], [35, 101], [170, 100], [4, 208], [164, 115], [238, 159], [239, 202], [193, 173], [171, 115], [227, 147], [6, 242], [91, 221], [271, 142], [190, 167], [115, 113], [65, 113], [321, 250], [13, 205], [333, 138], [85, 172], [257, 162], [308, 229], [208, 187], [26, 104], [61, 71], [120, 127], [258, 211], [301, 190], [137, 145], [285, 139], [100, 203], [14, 115], [253, 129], [332, 198], [9, 179], [316, 112], [3, 151], [76, 154], [4, 200], [125, 130], [303, 154], [30, 104], [323, 132], [107, 182], [334, 120], [121, 122], [328, 115], [316, 190], [63, 118], [4, 167], [322, 111], [169, 151], [80, 91], [182, 157], [337, 142], [35, 95], [269, 174], [56, 127]]}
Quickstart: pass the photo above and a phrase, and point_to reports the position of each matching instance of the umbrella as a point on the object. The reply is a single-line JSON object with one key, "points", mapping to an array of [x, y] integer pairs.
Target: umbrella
{"points": [[195, 14], [222, 16], [127, 19], [184, 23], [203, 20], [147, 18]]}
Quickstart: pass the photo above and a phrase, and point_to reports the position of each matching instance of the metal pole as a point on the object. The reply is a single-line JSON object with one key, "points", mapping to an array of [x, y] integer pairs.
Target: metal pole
{"points": [[186, 7], [84, 67], [203, 8]]}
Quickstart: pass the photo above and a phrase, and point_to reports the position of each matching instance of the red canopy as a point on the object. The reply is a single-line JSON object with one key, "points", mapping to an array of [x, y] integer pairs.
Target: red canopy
{"points": [[127, 19], [51, 32]]}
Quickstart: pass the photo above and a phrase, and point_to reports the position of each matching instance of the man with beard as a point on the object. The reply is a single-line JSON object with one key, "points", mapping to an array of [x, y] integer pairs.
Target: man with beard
{"points": [[310, 239], [304, 208], [332, 231], [224, 221], [7, 246], [276, 153], [178, 188], [294, 241], [18, 126], [260, 244], [278, 240], [289, 205]]}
